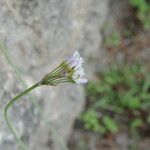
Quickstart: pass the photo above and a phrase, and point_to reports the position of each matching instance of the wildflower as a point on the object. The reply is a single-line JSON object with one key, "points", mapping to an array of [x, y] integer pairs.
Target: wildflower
{"points": [[70, 70]]}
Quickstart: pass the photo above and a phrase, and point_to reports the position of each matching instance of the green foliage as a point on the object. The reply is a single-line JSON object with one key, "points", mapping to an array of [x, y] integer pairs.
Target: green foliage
{"points": [[143, 11], [90, 118], [91, 122], [110, 124], [136, 123], [119, 91]]}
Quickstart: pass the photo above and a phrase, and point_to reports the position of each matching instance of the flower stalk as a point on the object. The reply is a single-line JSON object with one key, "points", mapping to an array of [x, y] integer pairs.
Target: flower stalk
{"points": [[70, 70], [6, 114]]}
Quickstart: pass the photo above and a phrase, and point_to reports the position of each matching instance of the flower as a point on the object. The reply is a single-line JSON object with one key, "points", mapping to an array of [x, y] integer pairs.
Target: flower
{"points": [[70, 70], [75, 63]]}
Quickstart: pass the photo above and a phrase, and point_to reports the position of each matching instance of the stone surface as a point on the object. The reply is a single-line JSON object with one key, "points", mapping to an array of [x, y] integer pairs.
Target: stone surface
{"points": [[38, 35]]}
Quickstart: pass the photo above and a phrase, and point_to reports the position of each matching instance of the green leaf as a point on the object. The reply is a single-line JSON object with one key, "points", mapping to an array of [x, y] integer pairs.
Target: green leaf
{"points": [[110, 124], [101, 103], [136, 123]]}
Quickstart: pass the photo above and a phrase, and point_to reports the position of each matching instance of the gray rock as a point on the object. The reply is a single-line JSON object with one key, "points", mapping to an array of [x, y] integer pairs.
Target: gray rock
{"points": [[39, 34]]}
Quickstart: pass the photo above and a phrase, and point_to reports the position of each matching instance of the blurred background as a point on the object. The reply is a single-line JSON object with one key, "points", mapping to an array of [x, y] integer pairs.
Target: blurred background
{"points": [[111, 112]]}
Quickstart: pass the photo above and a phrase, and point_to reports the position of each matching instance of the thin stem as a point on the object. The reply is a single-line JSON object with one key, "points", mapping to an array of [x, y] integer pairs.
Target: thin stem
{"points": [[18, 74], [22, 145], [58, 78]]}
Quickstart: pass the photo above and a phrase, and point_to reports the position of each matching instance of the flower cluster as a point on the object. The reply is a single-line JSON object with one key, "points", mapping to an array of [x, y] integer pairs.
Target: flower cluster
{"points": [[70, 70]]}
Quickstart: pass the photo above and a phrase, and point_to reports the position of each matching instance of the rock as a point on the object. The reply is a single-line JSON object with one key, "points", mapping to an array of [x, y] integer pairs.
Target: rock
{"points": [[39, 34]]}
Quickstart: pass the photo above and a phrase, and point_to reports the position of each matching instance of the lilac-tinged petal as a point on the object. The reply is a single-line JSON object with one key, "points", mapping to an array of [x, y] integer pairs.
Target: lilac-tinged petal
{"points": [[69, 59], [76, 54], [79, 69], [82, 80], [73, 64], [78, 66], [80, 72], [81, 60]]}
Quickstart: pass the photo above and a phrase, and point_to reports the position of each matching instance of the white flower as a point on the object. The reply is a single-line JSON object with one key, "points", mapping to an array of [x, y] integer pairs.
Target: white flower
{"points": [[75, 63], [69, 70]]}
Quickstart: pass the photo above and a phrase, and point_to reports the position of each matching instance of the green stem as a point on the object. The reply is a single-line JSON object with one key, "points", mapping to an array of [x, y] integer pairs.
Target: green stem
{"points": [[18, 74], [6, 114]]}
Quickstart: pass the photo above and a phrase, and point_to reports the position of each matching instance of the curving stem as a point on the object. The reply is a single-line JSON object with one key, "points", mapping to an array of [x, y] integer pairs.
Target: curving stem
{"points": [[22, 145]]}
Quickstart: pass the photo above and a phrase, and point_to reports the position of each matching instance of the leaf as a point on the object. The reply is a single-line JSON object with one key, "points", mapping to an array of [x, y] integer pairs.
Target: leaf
{"points": [[110, 124], [136, 123]]}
